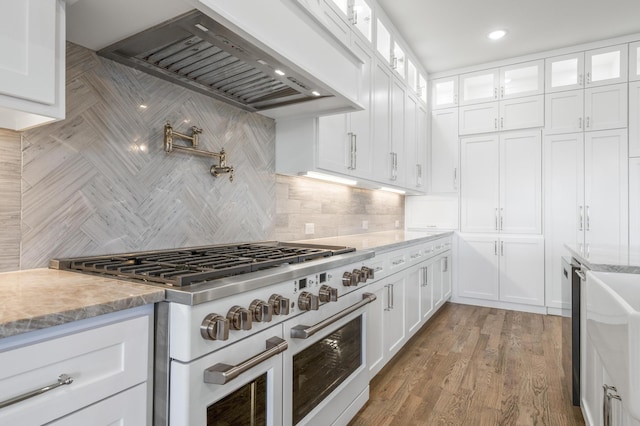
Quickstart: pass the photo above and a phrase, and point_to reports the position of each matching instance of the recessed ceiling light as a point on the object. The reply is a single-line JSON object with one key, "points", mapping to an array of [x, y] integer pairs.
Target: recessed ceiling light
{"points": [[315, 93], [497, 34], [279, 72]]}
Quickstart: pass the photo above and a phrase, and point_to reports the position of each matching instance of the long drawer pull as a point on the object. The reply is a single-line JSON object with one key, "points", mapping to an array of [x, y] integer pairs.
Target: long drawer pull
{"points": [[221, 373], [581, 274], [63, 379], [306, 331]]}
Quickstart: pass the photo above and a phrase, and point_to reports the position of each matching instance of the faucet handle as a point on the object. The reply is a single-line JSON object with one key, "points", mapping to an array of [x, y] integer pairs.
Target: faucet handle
{"points": [[195, 130]]}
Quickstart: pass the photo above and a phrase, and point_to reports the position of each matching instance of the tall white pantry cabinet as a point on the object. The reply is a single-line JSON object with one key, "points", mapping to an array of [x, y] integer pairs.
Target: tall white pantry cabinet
{"points": [[579, 184]]}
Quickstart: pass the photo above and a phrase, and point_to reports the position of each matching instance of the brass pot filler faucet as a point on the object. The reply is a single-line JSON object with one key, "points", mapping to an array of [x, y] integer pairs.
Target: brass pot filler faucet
{"points": [[169, 146]]}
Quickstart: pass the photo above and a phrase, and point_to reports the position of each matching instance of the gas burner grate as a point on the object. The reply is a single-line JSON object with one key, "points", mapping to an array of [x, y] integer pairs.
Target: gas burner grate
{"points": [[188, 266]]}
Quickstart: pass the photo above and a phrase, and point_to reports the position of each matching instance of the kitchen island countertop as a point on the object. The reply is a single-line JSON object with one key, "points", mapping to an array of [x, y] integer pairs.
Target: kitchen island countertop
{"points": [[381, 241], [607, 259], [39, 298]]}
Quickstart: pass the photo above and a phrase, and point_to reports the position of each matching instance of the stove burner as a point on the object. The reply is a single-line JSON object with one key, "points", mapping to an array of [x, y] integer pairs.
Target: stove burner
{"points": [[188, 266]]}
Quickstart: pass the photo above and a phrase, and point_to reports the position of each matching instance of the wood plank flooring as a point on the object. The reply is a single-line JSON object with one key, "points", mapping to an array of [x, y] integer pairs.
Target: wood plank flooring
{"points": [[475, 366]]}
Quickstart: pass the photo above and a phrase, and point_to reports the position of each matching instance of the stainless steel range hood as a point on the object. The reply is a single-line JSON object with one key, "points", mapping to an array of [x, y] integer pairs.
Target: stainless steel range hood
{"points": [[200, 54], [256, 55]]}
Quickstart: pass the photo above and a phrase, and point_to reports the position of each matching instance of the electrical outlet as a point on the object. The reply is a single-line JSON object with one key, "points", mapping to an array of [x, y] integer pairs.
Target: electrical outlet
{"points": [[309, 228], [365, 224]]}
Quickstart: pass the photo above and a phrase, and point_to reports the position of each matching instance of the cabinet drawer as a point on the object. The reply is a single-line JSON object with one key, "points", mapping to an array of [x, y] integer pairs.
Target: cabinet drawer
{"points": [[126, 408], [102, 362], [398, 261]]}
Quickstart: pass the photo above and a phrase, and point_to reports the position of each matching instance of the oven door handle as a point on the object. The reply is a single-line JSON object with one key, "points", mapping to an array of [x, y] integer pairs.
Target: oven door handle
{"points": [[221, 373], [306, 331]]}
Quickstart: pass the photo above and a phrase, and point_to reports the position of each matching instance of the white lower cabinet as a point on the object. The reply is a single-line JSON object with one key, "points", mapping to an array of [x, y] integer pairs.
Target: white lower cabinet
{"points": [[108, 357], [501, 268]]}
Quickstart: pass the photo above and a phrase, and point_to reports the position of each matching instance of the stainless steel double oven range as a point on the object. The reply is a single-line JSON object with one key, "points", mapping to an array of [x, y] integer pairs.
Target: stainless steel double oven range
{"points": [[261, 333]]}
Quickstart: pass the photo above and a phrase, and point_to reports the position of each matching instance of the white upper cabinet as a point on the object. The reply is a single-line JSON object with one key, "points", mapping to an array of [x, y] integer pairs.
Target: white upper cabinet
{"points": [[412, 76], [352, 14], [522, 80], [605, 107], [564, 112], [422, 87], [522, 113], [480, 86], [362, 18], [399, 60], [634, 61], [32, 42], [564, 72], [444, 92], [606, 66], [478, 118], [383, 41], [512, 81]]}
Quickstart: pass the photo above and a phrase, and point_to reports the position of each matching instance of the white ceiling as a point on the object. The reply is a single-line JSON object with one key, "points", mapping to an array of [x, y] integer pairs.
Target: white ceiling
{"points": [[450, 34]]}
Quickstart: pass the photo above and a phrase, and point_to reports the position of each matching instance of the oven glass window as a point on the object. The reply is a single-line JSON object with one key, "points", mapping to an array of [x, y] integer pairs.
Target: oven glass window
{"points": [[246, 406], [320, 368]]}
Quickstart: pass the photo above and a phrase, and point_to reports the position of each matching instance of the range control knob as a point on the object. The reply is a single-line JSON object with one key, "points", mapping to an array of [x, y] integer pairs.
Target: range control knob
{"points": [[214, 327], [349, 279], [239, 318], [328, 294], [279, 304], [359, 276], [367, 273], [308, 301], [261, 310]]}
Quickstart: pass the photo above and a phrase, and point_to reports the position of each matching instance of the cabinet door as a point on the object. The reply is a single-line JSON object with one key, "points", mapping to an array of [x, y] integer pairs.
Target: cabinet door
{"points": [[362, 19], [382, 122], [522, 113], [399, 61], [436, 278], [606, 66], [564, 112], [564, 208], [634, 61], [634, 119], [411, 159], [444, 150], [479, 86], [444, 92], [383, 41], [421, 147], [522, 270], [412, 302], [399, 172], [606, 186], [606, 107], [524, 79], [360, 121], [426, 292], [394, 329], [446, 276], [334, 143], [480, 118], [634, 204], [28, 46], [564, 72], [478, 267], [479, 190], [521, 183], [334, 19], [376, 316]]}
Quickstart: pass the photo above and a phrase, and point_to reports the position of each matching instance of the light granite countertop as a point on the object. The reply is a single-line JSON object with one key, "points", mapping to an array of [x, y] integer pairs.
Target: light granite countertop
{"points": [[607, 259], [39, 298], [380, 241]]}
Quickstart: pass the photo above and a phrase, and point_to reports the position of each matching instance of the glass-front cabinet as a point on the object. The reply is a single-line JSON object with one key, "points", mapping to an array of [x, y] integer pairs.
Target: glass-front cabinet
{"points": [[399, 60], [357, 13], [522, 80], [444, 92], [412, 76], [634, 61], [606, 66], [564, 72], [383, 41], [422, 87], [479, 86]]}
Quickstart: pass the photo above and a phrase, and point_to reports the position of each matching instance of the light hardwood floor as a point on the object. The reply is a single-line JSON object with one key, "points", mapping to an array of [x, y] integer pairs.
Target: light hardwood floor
{"points": [[475, 366]]}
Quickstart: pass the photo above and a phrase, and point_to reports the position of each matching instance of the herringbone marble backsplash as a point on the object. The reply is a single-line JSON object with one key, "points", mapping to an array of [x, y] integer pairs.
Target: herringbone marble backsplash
{"points": [[100, 182]]}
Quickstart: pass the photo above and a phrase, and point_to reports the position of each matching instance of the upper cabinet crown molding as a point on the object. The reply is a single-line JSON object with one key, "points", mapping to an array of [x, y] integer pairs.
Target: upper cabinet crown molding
{"points": [[32, 68]]}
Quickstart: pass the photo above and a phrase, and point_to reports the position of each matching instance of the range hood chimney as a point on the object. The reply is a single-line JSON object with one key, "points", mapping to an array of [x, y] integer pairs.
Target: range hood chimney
{"points": [[265, 56]]}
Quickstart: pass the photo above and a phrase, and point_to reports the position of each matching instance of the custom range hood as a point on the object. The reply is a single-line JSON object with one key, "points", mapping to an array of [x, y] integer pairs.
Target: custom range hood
{"points": [[235, 52]]}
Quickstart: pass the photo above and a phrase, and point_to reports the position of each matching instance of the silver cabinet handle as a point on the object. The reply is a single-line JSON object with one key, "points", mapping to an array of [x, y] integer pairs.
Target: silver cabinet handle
{"points": [[350, 135], [501, 248], [63, 379], [588, 219], [495, 93], [502, 122], [502, 91], [355, 151], [581, 220], [581, 79], [495, 123], [394, 62], [579, 122], [306, 331], [501, 217], [221, 373], [455, 178], [495, 248], [588, 122], [606, 403], [581, 274], [496, 218], [455, 99], [388, 308], [589, 77], [393, 290], [425, 277]]}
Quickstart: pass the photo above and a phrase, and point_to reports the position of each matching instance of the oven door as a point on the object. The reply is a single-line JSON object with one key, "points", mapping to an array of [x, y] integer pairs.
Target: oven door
{"points": [[325, 374], [240, 384]]}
